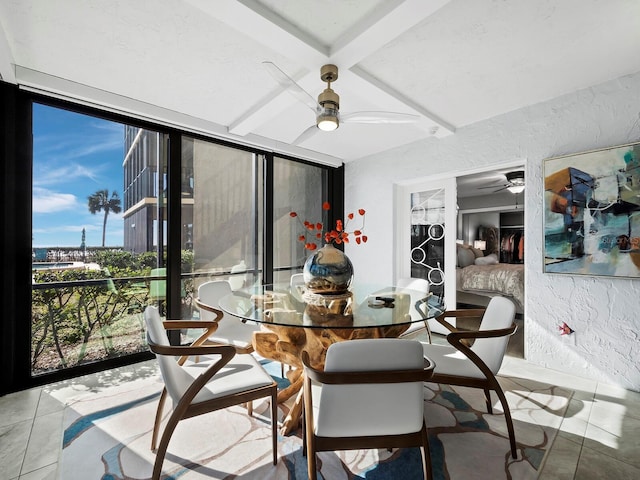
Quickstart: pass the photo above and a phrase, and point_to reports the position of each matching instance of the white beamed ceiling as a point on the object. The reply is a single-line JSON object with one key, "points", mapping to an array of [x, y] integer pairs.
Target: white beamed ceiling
{"points": [[198, 63]]}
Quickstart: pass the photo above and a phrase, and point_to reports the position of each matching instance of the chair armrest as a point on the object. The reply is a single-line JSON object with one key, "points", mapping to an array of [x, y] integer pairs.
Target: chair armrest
{"points": [[455, 337], [191, 350], [465, 312], [209, 308], [468, 313], [370, 376], [210, 325], [226, 352], [418, 306], [184, 324], [457, 340], [424, 301]]}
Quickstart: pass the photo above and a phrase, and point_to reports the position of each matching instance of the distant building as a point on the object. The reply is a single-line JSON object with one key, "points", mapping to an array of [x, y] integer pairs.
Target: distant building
{"points": [[142, 165]]}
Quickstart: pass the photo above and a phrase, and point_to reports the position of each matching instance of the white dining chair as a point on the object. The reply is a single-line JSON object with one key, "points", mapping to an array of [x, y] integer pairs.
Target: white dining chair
{"points": [[222, 379], [296, 286], [231, 330], [476, 365], [369, 395], [419, 292], [238, 278]]}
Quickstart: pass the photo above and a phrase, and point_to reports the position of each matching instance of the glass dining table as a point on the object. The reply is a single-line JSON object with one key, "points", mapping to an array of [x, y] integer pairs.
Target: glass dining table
{"points": [[294, 320]]}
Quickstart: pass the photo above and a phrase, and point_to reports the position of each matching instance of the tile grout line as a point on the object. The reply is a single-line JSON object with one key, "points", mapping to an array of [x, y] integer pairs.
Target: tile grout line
{"points": [[33, 421], [582, 447]]}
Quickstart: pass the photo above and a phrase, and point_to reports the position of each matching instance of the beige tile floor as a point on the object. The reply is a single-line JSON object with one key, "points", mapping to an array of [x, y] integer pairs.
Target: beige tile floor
{"points": [[599, 436]]}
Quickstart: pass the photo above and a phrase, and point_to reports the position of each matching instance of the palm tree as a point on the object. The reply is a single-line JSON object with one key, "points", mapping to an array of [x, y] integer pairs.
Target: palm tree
{"points": [[101, 201]]}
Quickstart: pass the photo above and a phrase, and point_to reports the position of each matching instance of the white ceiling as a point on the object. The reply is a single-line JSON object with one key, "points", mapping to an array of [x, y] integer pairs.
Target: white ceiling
{"points": [[198, 63]]}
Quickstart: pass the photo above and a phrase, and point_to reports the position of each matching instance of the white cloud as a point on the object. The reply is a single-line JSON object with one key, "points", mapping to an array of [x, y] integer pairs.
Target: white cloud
{"points": [[65, 158], [64, 147], [47, 201], [51, 175]]}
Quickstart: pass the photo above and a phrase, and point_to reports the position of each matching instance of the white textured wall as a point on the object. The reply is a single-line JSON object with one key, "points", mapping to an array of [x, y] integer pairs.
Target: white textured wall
{"points": [[604, 312]]}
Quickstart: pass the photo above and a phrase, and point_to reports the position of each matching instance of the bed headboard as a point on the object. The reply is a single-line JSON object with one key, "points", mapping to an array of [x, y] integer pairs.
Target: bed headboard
{"points": [[490, 235]]}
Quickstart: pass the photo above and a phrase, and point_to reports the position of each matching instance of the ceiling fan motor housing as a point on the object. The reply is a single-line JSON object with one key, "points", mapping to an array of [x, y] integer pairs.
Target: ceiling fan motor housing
{"points": [[329, 99], [516, 178], [329, 73], [328, 117]]}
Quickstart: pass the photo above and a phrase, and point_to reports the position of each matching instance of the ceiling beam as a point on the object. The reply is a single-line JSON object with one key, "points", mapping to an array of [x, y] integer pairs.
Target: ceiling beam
{"points": [[380, 28], [267, 28], [372, 34], [276, 102], [367, 85]]}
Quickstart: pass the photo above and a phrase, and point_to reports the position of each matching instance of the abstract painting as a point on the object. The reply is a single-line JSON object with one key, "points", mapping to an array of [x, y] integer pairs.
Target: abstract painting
{"points": [[592, 213]]}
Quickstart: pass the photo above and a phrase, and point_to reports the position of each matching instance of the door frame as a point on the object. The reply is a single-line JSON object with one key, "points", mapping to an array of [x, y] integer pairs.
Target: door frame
{"points": [[402, 222], [402, 243]]}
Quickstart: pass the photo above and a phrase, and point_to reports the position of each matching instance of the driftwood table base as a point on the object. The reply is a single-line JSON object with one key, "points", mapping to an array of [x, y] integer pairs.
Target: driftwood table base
{"points": [[286, 344]]}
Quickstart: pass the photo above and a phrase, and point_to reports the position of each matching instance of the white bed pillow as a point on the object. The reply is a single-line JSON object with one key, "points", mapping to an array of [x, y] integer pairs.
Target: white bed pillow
{"points": [[491, 259], [465, 257]]}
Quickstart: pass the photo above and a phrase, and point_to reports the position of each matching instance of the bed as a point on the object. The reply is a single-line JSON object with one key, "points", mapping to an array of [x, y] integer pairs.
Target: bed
{"points": [[480, 278]]}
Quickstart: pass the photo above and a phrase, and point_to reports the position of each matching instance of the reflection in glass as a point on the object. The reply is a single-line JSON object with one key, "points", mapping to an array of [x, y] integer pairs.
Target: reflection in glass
{"points": [[221, 214], [427, 238], [298, 188]]}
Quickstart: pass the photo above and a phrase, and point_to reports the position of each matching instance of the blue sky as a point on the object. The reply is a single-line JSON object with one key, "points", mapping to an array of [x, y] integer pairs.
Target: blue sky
{"points": [[74, 156]]}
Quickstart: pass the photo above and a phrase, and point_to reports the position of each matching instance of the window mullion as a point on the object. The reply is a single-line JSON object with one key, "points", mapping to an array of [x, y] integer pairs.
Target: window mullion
{"points": [[174, 226]]}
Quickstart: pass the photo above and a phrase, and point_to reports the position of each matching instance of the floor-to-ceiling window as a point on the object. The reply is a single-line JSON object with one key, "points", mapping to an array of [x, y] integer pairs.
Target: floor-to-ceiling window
{"points": [[222, 216], [299, 188], [125, 213], [95, 230]]}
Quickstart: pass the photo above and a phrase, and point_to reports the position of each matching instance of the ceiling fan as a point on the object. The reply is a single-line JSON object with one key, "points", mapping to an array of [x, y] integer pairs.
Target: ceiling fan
{"points": [[327, 107], [514, 183]]}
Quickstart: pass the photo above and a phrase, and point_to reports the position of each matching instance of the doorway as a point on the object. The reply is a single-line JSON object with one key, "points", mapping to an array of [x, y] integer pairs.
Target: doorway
{"points": [[491, 215], [447, 212]]}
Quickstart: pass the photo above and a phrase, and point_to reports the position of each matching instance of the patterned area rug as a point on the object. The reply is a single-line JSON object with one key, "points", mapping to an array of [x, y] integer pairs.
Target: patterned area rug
{"points": [[107, 436]]}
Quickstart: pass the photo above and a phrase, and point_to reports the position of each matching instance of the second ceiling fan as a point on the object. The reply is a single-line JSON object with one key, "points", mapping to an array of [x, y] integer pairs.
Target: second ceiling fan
{"points": [[327, 106], [514, 183]]}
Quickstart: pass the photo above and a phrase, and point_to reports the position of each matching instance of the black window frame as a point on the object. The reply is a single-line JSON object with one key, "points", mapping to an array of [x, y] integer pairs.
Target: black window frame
{"points": [[16, 157]]}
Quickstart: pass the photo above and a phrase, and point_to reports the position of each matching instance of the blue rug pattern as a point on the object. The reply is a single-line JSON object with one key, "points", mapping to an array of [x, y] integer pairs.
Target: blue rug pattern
{"points": [[107, 436]]}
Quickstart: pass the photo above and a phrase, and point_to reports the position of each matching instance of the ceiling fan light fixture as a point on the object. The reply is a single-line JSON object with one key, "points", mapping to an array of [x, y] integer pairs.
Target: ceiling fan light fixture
{"points": [[328, 117], [327, 106], [516, 180], [327, 122]]}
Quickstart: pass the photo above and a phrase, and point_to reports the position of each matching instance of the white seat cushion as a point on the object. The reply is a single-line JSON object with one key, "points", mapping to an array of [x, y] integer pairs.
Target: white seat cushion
{"points": [[450, 361], [232, 331], [242, 373], [370, 409], [389, 409]]}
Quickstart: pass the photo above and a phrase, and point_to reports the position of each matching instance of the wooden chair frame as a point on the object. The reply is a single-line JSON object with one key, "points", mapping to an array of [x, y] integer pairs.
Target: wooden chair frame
{"points": [[418, 306], [184, 409], [219, 316], [315, 443], [462, 340]]}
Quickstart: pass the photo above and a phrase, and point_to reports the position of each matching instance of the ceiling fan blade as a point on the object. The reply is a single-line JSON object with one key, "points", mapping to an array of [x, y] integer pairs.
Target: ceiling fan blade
{"points": [[504, 185], [306, 135], [501, 189], [378, 117], [288, 84]]}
